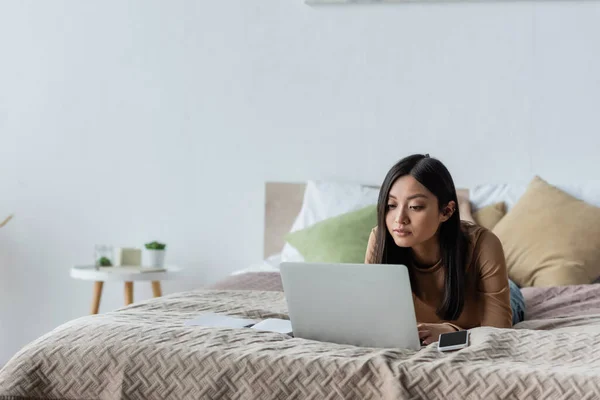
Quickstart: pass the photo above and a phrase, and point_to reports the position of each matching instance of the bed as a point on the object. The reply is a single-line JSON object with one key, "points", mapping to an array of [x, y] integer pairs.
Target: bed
{"points": [[144, 351]]}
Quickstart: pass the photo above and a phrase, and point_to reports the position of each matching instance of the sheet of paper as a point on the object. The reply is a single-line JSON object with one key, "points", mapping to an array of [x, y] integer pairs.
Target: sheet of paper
{"points": [[219, 321], [275, 325]]}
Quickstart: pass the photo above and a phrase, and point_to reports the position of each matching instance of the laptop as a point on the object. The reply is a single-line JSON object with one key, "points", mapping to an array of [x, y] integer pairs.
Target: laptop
{"points": [[367, 305]]}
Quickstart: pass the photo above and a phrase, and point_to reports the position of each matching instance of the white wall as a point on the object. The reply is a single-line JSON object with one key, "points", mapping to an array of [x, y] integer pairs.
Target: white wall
{"points": [[126, 121]]}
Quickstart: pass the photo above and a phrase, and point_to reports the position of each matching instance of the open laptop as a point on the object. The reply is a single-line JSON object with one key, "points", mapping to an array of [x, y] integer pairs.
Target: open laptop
{"points": [[367, 305]]}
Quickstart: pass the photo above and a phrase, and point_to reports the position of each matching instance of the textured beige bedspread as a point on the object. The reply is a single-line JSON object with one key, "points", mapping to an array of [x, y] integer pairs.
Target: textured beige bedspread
{"points": [[144, 352]]}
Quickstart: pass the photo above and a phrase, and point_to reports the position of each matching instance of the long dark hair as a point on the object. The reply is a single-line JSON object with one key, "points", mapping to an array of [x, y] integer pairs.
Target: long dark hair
{"points": [[432, 174]]}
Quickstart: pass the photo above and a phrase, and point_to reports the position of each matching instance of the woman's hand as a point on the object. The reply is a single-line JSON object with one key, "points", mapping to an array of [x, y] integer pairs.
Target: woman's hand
{"points": [[430, 333]]}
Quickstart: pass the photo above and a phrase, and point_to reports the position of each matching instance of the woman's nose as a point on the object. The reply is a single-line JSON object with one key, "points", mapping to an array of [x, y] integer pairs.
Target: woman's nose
{"points": [[401, 217]]}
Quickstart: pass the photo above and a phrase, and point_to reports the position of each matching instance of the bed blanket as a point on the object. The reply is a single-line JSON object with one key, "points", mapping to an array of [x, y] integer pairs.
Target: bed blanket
{"points": [[144, 351]]}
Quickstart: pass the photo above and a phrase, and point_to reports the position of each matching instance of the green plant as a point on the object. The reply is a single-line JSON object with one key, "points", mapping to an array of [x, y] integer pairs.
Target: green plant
{"points": [[104, 262], [155, 246]]}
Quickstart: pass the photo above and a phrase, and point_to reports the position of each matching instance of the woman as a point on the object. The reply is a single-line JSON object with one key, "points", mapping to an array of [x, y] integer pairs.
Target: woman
{"points": [[457, 269]]}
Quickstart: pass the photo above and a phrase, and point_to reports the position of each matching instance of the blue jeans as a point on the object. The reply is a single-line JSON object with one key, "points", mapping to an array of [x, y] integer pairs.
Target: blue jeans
{"points": [[517, 302]]}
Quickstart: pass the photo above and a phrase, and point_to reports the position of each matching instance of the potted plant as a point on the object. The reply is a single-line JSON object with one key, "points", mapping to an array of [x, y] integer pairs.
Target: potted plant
{"points": [[104, 262], [156, 254], [103, 255]]}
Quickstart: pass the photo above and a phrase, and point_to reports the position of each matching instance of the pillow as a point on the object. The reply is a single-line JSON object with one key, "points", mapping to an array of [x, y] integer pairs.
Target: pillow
{"points": [[341, 239], [484, 195], [489, 216], [551, 238], [323, 200]]}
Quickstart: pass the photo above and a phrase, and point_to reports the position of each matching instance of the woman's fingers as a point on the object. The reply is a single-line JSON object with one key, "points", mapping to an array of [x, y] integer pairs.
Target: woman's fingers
{"points": [[425, 334], [428, 341]]}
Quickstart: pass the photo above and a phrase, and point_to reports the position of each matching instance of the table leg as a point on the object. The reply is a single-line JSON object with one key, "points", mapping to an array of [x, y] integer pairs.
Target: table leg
{"points": [[128, 293], [97, 295], [156, 290]]}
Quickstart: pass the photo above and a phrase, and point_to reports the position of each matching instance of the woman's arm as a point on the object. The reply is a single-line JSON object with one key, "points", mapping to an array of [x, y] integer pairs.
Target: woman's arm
{"points": [[493, 286]]}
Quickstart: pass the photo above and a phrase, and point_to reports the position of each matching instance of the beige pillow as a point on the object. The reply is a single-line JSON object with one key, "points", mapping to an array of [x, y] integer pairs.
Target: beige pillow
{"points": [[550, 238], [490, 215]]}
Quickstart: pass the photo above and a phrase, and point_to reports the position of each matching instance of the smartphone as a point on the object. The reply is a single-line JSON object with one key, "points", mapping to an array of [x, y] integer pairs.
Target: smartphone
{"points": [[453, 341]]}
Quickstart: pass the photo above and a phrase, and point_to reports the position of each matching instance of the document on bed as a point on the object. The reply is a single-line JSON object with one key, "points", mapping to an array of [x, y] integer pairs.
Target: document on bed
{"points": [[220, 321], [225, 321], [275, 325]]}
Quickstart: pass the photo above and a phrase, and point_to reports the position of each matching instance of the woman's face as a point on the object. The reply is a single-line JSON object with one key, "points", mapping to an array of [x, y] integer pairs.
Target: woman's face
{"points": [[413, 215]]}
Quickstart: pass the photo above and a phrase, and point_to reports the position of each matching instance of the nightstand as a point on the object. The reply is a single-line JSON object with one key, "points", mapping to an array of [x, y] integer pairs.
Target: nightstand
{"points": [[128, 275]]}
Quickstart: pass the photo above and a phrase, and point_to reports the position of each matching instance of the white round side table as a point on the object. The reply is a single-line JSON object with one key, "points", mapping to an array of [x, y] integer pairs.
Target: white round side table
{"points": [[122, 274]]}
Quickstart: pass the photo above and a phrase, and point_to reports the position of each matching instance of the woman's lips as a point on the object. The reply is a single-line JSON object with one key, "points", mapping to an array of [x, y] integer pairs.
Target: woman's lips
{"points": [[402, 232]]}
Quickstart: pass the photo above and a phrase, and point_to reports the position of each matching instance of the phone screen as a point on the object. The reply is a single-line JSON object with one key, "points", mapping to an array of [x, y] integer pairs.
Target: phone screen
{"points": [[453, 338]]}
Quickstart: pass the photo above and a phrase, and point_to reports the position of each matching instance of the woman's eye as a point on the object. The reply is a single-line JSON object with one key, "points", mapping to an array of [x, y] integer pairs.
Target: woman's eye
{"points": [[391, 206], [416, 208]]}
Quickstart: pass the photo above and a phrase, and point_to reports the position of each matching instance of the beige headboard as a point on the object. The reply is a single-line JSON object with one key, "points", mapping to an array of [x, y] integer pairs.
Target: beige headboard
{"points": [[283, 202]]}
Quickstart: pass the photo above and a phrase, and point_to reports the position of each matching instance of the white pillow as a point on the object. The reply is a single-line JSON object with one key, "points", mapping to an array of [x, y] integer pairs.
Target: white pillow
{"points": [[324, 200], [484, 195]]}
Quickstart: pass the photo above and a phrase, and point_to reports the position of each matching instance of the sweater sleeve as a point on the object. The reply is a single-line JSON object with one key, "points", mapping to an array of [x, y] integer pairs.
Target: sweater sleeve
{"points": [[492, 287], [370, 254]]}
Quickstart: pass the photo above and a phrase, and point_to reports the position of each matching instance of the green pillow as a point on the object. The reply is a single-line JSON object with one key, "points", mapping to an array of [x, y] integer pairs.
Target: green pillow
{"points": [[341, 239]]}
